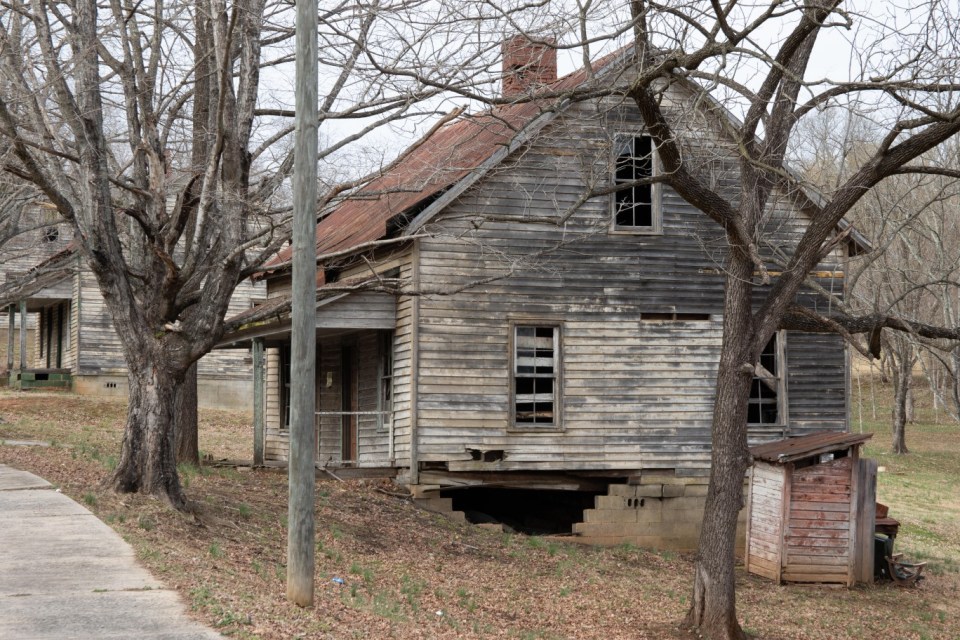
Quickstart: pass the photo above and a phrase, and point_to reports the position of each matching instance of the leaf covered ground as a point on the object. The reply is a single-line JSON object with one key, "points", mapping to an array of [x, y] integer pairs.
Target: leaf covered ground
{"points": [[386, 569]]}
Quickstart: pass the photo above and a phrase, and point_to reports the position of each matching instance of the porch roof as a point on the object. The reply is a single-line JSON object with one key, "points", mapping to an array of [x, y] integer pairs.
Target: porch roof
{"points": [[43, 284], [344, 306]]}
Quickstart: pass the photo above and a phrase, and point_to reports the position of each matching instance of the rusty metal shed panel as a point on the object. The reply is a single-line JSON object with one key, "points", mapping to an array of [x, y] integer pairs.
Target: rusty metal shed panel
{"points": [[790, 449]]}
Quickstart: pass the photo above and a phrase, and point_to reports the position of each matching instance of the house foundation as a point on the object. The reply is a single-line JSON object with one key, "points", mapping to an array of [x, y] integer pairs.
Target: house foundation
{"points": [[235, 395], [663, 511]]}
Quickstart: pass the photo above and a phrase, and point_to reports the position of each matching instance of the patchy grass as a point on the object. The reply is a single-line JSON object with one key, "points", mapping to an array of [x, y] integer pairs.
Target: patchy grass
{"points": [[922, 488], [386, 569]]}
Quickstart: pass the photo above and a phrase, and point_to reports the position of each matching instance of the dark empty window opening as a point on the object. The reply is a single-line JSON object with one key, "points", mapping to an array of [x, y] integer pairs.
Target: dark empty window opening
{"points": [[766, 388], [51, 234], [529, 511], [535, 375], [635, 205]]}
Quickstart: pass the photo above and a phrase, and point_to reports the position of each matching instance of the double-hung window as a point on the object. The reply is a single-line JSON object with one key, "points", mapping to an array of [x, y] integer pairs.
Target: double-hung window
{"points": [[766, 406], [636, 202], [536, 375]]}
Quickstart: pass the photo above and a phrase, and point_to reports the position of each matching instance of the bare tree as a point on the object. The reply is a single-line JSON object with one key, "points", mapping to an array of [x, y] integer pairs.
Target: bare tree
{"points": [[145, 126], [707, 46]]}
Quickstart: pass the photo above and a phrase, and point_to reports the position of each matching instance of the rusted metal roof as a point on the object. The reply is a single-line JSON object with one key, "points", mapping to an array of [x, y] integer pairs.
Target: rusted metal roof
{"points": [[438, 161], [790, 449]]}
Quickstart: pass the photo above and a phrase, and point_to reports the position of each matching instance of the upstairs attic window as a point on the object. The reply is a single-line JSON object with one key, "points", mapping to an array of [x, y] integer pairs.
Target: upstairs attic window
{"points": [[51, 234], [636, 207]]}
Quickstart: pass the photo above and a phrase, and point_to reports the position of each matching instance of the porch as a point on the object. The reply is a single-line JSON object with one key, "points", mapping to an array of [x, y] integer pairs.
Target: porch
{"points": [[48, 365], [355, 418]]}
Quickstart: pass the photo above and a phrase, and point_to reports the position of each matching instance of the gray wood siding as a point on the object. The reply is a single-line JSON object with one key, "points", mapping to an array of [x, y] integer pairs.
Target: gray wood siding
{"points": [[100, 350], [233, 364], [276, 439], [102, 354], [635, 394], [765, 520], [816, 382], [403, 373]]}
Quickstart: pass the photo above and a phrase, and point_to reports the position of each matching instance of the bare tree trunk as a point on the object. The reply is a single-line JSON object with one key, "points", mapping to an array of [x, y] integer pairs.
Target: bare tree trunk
{"points": [[185, 419], [713, 605], [901, 391], [147, 462]]}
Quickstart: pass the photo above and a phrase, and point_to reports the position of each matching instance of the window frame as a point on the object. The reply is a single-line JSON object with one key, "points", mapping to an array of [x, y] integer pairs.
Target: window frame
{"points": [[780, 353], [284, 357], [656, 190], [539, 427], [385, 378]]}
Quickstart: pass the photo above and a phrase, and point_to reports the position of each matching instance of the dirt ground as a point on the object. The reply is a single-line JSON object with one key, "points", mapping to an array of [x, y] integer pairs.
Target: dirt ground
{"points": [[386, 569]]}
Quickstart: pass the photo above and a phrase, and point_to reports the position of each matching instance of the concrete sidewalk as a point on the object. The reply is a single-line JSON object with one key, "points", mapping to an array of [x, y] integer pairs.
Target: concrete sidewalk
{"points": [[66, 574]]}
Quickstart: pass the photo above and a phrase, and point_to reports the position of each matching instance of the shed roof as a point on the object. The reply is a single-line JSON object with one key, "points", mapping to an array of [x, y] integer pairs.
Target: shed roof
{"points": [[790, 449]]}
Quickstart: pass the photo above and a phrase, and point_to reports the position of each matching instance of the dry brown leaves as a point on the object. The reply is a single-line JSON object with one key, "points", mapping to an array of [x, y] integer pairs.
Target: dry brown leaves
{"points": [[386, 569]]}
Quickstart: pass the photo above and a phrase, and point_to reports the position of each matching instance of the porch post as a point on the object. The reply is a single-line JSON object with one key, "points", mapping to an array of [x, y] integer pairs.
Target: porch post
{"points": [[23, 335], [11, 325], [258, 401]]}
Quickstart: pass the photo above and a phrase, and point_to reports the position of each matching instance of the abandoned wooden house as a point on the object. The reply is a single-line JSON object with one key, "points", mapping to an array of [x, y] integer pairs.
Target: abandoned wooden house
{"points": [[514, 347], [48, 291], [811, 510]]}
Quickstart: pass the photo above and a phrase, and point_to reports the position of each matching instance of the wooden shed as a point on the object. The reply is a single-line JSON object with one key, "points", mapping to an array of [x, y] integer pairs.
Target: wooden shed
{"points": [[811, 510]]}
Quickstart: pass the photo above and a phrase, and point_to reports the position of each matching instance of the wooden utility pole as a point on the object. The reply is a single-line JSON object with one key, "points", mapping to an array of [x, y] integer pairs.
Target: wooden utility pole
{"points": [[300, 524]]}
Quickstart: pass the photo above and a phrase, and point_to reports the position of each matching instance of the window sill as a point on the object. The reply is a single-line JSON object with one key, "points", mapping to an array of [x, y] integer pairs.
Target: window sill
{"points": [[547, 428], [638, 231]]}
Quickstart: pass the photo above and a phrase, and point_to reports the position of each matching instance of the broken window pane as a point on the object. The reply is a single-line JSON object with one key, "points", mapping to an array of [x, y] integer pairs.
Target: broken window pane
{"points": [[534, 374], [764, 407], [634, 205]]}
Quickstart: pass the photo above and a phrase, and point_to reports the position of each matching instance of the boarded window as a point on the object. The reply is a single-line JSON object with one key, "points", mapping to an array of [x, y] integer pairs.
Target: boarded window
{"points": [[635, 205], [536, 365], [766, 390]]}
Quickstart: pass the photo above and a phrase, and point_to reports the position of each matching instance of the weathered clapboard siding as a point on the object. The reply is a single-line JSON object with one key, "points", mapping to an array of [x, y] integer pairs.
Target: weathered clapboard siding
{"points": [[100, 352], [765, 521], [73, 354], [817, 382], [634, 394], [233, 364], [819, 549], [403, 371], [276, 436]]}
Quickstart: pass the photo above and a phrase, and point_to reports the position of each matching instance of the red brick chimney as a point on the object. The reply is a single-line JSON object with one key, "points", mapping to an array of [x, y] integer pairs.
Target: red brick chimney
{"points": [[527, 65]]}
